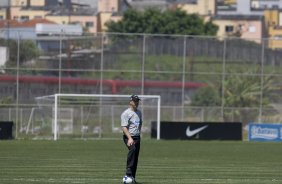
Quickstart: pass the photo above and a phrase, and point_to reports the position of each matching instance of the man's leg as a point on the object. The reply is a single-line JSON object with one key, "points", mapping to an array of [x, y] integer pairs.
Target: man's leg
{"points": [[136, 155], [131, 158]]}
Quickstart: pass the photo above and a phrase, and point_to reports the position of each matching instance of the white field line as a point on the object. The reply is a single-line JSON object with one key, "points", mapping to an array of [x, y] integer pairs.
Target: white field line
{"points": [[81, 180]]}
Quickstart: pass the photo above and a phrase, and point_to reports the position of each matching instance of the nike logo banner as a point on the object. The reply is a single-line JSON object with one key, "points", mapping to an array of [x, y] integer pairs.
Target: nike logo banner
{"points": [[190, 133], [198, 131]]}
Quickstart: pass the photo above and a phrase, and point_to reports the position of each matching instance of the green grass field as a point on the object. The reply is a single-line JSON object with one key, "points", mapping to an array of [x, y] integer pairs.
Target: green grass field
{"points": [[163, 162]]}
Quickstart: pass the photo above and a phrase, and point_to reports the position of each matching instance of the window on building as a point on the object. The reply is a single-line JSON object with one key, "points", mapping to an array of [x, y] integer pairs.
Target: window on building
{"points": [[24, 18], [75, 23], [229, 29], [263, 6], [209, 12], [252, 29], [38, 17], [89, 24]]}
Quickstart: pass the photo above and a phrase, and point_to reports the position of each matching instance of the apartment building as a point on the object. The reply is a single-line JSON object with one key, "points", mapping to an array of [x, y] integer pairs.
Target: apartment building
{"points": [[86, 17], [201, 7], [273, 26], [108, 5], [108, 11], [24, 10], [3, 13], [242, 18], [266, 4], [66, 12], [244, 26]]}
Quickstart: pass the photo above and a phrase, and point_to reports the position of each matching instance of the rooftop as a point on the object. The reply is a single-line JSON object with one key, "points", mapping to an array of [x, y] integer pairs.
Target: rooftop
{"points": [[73, 12], [238, 17], [145, 4], [30, 23]]}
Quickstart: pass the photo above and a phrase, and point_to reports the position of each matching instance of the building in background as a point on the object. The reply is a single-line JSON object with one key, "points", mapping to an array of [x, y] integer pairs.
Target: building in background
{"points": [[3, 13], [273, 26], [266, 4], [108, 10], [240, 18], [4, 56], [44, 32], [142, 5], [91, 15], [24, 29], [86, 17], [201, 7], [241, 7], [245, 26]]}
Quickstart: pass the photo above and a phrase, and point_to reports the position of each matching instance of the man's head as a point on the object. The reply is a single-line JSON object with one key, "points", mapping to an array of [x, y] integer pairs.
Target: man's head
{"points": [[134, 98], [134, 101]]}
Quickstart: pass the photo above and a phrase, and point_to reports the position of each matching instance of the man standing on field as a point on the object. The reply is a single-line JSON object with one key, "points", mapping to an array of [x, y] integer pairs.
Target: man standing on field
{"points": [[131, 122]]}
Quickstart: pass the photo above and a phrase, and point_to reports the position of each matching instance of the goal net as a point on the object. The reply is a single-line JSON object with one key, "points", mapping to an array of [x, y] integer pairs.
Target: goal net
{"points": [[89, 116]]}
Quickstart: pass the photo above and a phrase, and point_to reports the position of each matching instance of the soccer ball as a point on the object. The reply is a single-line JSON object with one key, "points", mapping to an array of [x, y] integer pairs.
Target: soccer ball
{"points": [[127, 179]]}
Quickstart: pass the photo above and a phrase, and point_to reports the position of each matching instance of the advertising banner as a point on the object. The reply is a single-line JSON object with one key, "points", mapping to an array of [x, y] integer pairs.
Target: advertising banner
{"points": [[198, 131], [265, 132], [6, 130]]}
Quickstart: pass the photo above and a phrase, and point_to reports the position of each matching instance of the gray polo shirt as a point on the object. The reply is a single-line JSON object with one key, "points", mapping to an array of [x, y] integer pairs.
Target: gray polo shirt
{"points": [[132, 120]]}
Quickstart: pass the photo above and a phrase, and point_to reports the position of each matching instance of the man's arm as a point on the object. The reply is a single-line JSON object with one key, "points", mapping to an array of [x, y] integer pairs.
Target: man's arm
{"points": [[127, 134]]}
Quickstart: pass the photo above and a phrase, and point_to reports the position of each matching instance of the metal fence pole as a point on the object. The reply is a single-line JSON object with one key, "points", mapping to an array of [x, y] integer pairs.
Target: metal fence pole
{"points": [[183, 76], [102, 64], [223, 78], [101, 84], [143, 64], [261, 80], [60, 61], [17, 90]]}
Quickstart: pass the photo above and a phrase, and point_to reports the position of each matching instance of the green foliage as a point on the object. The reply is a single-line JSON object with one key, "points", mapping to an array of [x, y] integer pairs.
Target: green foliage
{"points": [[210, 28], [154, 21], [206, 96], [240, 93], [246, 91], [6, 100], [28, 51]]}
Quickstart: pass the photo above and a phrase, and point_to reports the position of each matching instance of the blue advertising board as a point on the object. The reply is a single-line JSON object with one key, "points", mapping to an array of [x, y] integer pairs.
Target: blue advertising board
{"points": [[265, 132]]}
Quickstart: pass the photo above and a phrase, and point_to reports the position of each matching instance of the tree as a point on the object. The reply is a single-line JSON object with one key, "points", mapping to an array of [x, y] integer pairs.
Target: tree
{"points": [[241, 94], [154, 21], [206, 96], [246, 92], [28, 51]]}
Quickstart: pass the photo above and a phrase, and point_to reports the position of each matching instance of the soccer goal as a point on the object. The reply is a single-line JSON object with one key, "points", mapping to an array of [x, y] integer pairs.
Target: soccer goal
{"points": [[92, 116]]}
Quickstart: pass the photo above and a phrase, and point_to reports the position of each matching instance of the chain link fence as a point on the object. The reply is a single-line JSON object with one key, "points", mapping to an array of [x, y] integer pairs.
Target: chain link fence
{"points": [[245, 75]]}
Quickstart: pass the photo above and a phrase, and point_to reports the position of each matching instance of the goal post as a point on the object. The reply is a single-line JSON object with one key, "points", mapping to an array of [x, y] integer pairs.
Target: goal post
{"points": [[90, 116]]}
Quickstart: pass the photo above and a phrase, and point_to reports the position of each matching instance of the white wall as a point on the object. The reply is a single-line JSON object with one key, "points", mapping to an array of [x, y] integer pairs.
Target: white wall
{"points": [[3, 55]]}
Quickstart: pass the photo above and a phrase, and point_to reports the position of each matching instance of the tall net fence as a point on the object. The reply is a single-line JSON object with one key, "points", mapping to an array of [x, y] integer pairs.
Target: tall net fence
{"points": [[198, 78]]}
